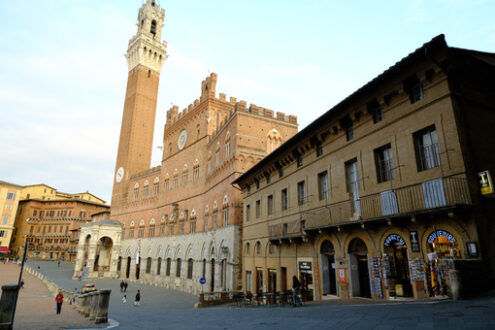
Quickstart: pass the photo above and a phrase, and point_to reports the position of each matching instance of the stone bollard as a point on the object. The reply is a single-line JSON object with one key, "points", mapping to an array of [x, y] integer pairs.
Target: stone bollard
{"points": [[102, 307], [85, 304], [79, 303], [94, 304], [7, 301], [455, 284]]}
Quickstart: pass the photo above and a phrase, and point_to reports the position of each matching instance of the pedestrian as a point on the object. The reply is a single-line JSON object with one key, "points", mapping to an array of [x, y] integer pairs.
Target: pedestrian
{"points": [[296, 285], [59, 299], [125, 286], [138, 298], [58, 264], [39, 267], [22, 284], [122, 286], [124, 299]]}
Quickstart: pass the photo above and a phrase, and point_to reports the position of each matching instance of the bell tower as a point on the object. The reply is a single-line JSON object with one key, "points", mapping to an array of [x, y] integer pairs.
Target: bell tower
{"points": [[145, 56]]}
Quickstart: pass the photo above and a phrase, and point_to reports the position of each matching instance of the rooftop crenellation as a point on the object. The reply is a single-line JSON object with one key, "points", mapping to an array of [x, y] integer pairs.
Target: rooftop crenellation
{"points": [[208, 87]]}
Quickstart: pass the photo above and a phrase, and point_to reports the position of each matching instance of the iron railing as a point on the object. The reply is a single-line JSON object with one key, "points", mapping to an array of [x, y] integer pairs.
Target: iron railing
{"points": [[428, 195]]}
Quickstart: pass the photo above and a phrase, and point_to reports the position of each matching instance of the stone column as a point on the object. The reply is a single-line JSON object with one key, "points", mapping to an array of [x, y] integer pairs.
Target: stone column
{"points": [[102, 306], [114, 259], [9, 296]]}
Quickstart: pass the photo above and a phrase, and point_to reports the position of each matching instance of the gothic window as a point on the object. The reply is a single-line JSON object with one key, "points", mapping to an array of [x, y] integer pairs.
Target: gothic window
{"points": [[227, 149], [166, 185], [225, 217], [196, 173]]}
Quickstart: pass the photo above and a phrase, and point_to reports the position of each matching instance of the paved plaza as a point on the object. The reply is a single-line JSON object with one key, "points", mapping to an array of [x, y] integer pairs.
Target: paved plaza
{"points": [[36, 307], [167, 309]]}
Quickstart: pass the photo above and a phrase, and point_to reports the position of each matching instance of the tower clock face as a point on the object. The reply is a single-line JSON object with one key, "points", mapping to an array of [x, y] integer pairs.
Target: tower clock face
{"points": [[119, 175], [182, 139]]}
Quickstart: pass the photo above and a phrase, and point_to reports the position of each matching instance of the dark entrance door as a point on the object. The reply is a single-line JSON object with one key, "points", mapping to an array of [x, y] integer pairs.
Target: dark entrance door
{"points": [[359, 272], [138, 266], [329, 281], [259, 280], [272, 280], [212, 287], [128, 267], [283, 278], [307, 285], [364, 278]]}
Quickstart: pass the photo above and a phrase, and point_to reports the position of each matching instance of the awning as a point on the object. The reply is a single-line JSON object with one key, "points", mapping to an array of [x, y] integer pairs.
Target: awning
{"points": [[4, 249]]}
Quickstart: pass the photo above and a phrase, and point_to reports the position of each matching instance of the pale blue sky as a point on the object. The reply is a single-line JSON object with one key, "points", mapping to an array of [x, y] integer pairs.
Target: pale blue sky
{"points": [[63, 73]]}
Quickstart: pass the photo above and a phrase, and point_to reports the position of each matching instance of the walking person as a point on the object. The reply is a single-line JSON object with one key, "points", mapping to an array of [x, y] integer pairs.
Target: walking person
{"points": [[296, 286], [58, 264], [125, 286], [124, 299], [122, 286], [59, 299], [138, 298]]}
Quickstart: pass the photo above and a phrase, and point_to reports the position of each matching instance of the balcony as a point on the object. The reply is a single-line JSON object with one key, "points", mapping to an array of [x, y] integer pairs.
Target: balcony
{"points": [[429, 196]]}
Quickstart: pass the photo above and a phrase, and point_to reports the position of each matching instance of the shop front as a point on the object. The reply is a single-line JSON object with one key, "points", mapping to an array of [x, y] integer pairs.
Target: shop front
{"points": [[306, 279], [441, 245], [396, 267]]}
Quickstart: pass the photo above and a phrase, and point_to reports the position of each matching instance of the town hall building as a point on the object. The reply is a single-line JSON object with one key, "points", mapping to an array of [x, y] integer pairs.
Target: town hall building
{"points": [[182, 219]]}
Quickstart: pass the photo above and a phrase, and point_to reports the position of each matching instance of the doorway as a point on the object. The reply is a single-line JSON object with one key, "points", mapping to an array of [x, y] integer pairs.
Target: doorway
{"points": [[359, 271], [212, 287], [128, 267], [307, 285], [329, 279], [259, 280], [138, 266], [283, 279], [272, 280], [395, 258]]}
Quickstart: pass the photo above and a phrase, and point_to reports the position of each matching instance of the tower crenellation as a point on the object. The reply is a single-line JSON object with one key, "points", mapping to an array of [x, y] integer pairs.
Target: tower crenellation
{"points": [[146, 47]]}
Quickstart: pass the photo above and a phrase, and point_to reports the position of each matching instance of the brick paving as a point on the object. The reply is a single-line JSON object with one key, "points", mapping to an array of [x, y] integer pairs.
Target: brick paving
{"points": [[167, 309], [36, 307]]}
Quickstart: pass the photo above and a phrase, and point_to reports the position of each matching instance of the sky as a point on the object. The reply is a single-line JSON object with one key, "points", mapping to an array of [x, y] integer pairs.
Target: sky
{"points": [[63, 72]]}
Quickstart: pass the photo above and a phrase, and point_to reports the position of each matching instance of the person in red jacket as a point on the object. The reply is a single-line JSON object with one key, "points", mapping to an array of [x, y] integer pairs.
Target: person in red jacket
{"points": [[59, 299]]}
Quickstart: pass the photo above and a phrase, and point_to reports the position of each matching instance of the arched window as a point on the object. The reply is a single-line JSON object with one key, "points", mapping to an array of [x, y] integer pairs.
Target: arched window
{"points": [[177, 270], [258, 248], [190, 264], [153, 28]]}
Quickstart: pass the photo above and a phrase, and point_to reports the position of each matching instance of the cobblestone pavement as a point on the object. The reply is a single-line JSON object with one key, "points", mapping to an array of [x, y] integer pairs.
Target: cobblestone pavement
{"points": [[35, 306], [166, 309]]}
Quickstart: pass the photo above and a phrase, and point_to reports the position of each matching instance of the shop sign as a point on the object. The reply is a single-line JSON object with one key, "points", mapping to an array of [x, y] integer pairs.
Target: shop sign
{"points": [[486, 184], [305, 265], [413, 235], [342, 275], [394, 238], [433, 236]]}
